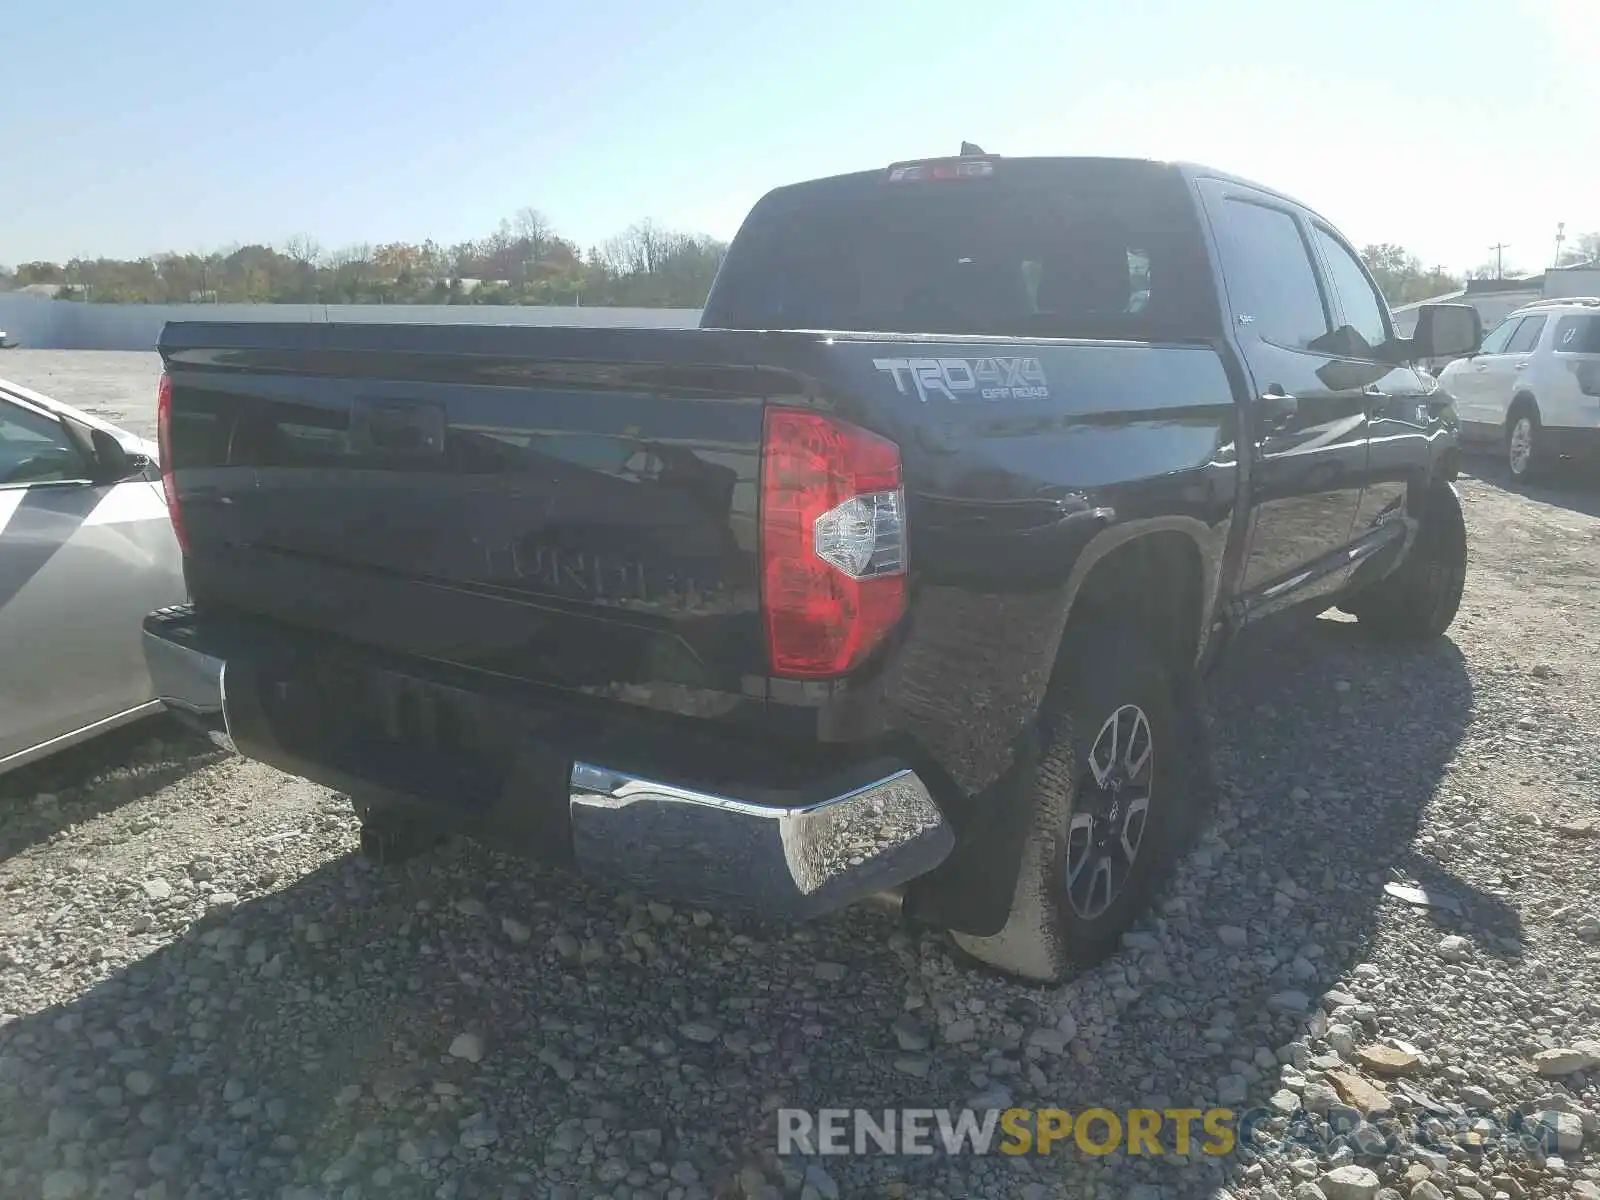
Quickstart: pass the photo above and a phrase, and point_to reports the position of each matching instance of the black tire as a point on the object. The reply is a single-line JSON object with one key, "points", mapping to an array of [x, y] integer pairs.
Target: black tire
{"points": [[1105, 670], [1526, 458], [1420, 599]]}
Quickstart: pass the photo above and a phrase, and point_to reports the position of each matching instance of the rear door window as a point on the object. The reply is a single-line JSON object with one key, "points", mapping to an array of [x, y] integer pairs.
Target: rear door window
{"points": [[1578, 334], [1270, 277]]}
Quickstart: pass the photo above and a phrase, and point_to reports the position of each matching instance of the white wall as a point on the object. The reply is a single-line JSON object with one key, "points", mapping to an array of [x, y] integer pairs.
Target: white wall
{"points": [[1572, 281], [64, 325], [29, 320], [1493, 307]]}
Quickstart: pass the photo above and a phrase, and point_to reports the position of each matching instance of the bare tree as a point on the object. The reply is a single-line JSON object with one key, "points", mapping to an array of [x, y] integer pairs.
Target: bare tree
{"points": [[638, 250], [350, 256], [304, 249], [532, 227]]}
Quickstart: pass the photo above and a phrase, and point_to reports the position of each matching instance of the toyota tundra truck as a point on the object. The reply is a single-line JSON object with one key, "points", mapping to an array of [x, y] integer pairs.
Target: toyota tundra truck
{"points": [[899, 576]]}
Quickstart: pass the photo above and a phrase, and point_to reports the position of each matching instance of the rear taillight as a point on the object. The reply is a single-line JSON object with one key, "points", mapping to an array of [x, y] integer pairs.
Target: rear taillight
{"points": [[833, 543], [169, 485]]}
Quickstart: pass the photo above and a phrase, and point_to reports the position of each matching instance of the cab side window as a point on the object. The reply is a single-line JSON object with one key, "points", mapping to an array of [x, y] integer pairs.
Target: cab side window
{"points": [[1527, 335], [1495, 341], [1363, 307], [35, 449]]}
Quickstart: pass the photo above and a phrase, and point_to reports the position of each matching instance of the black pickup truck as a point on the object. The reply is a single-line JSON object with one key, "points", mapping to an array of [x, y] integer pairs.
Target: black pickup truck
{"points": [[899, 576]]}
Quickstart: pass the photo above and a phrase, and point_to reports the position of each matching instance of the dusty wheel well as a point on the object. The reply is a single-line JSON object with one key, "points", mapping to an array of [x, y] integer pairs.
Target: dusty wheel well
{"points": [[1153, 582], [1520, 403]]}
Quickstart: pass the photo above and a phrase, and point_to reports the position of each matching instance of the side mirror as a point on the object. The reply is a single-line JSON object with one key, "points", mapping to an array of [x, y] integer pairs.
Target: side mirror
{"points": [[1446, 331], [111, 460]]}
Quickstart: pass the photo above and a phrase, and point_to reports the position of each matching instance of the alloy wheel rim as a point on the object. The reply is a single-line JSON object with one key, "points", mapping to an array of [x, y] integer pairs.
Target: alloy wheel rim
{"points": [[1107, 825], [1521, 445]]}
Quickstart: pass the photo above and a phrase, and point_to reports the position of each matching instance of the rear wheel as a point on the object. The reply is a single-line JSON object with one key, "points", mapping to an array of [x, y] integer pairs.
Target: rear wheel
{"points": [[1525, 454], [1111, 800], [1420, 599]]}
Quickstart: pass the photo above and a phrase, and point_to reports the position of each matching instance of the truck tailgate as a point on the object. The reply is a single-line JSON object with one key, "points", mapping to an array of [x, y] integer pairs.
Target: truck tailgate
{"points": [[583, 515]]}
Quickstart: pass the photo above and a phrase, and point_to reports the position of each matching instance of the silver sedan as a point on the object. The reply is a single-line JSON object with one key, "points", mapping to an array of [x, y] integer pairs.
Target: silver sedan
{"points": [[86, 550]]}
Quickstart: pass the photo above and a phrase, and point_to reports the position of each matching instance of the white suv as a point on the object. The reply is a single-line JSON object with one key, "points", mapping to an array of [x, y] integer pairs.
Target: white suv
{"points": [[1533, 387]]}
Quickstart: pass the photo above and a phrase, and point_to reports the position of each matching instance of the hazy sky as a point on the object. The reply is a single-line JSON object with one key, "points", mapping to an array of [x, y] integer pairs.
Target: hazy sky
{"points": [[192, 124]]}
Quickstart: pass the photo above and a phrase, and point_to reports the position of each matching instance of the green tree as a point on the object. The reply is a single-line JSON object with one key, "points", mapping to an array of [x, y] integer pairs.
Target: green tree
{"points": [[523, 261], [1401, 277]]}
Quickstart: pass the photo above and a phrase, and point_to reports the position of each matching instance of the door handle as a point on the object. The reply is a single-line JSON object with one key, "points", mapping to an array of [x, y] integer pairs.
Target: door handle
{"points": [[1522, 366], [1276, 409]]}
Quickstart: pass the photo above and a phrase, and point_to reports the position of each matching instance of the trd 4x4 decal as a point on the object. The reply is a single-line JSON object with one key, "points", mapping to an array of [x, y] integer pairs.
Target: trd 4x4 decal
{"points": [[1001, 378]]}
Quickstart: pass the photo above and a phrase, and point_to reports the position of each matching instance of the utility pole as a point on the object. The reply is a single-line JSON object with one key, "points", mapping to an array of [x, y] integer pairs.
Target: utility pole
{"points": [[1499, 249], [1561, 236]]}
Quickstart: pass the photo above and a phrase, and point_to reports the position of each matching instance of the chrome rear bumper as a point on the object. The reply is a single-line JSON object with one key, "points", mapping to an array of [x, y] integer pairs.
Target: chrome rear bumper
{"points": [[724, 852], [187, 680], [793, 856]]}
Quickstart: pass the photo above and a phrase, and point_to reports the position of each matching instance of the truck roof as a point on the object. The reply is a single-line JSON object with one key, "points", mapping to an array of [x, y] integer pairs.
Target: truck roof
{"points": [[1183, 169]]}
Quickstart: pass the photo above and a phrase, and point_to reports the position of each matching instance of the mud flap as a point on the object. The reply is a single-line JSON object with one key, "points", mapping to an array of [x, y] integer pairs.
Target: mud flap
{"points": [[1194, 708], [972, 890]]}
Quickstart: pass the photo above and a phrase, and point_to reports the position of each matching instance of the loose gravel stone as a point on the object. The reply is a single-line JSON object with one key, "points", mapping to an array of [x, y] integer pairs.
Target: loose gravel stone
{"points": [[1564, 1132], [1232, 1090], [910, 1034], [1350, 1183], [64, 1185], [1555, 1063], [1386, 1060]]}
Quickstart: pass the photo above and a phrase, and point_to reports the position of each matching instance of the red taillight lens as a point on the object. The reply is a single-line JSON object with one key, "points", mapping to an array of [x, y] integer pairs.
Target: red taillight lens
{"points": [[833, 544], [169, 485]]}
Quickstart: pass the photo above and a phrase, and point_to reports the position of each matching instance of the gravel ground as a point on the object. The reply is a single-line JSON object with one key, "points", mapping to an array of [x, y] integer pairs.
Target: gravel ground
{"points": [[205, 992], [117, 385]]}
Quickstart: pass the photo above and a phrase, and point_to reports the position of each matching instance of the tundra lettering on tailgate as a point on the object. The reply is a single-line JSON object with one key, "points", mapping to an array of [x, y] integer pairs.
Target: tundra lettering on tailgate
{"points": [[1007, 378]]}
